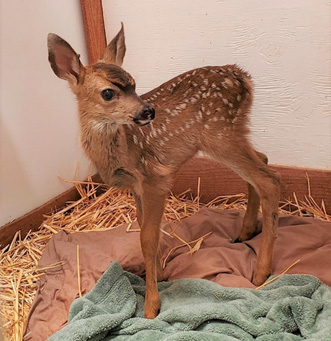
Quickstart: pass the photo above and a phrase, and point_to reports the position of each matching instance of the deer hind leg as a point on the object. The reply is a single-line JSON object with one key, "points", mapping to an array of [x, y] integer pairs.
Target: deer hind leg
{"points": [[253, 205], [246, 163], [153, 203]]}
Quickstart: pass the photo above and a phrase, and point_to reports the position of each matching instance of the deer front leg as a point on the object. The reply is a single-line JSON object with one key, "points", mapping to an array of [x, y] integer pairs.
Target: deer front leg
{"points": [[153, 203]]}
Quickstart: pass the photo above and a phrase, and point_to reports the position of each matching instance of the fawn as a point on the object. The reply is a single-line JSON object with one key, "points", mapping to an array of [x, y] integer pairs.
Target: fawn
{"points": [[206, 109]]}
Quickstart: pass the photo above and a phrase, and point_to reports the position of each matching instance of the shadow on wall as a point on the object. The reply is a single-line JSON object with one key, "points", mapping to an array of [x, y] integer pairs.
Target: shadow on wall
{"points": [[11, 167]]}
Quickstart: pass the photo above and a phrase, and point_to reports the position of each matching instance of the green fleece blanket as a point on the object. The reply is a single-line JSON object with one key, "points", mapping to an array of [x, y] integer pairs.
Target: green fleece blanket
{"points": [[294, 307]]}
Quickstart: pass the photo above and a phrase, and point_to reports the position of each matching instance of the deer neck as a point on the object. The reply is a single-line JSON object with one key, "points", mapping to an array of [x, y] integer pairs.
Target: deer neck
{"points": [[105, 144]]}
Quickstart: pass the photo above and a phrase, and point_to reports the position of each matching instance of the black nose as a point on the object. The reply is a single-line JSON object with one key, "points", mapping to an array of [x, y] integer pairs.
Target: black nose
{"points": [[147, 113], [145, 116]]}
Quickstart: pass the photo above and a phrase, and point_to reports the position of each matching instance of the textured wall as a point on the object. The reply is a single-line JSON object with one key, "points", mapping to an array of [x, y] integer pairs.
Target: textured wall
{"points": [[38, 126], [285, 45]]}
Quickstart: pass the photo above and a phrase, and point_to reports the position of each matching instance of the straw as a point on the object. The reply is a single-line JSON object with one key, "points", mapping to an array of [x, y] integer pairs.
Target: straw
{"points": [[19, 270], [276, 277], [78, 273]]}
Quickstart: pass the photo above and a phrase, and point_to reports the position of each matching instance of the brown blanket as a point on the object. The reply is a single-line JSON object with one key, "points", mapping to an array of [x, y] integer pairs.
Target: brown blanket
{"points": [[218, 259]]}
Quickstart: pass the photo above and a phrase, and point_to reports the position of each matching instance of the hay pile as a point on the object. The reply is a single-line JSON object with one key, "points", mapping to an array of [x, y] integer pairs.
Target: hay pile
{"points": [[93, 212]]}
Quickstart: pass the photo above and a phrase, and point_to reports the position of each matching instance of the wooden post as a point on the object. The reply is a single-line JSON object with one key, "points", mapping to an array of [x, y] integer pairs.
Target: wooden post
{"points": [[94, 28]]}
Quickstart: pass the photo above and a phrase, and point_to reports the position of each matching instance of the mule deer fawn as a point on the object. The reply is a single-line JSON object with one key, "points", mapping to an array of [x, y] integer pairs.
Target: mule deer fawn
{"points": [[206, 109]]}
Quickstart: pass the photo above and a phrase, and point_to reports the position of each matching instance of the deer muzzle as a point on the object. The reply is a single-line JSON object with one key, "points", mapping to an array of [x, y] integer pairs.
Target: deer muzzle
{"points": [[145, 116]]}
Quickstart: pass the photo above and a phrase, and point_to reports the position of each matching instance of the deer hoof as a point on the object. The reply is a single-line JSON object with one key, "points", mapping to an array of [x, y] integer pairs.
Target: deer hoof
{"points": [[259, 278]]}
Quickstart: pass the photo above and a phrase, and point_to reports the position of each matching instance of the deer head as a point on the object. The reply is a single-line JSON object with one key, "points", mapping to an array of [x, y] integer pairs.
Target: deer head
{"points": [[105, 92]]}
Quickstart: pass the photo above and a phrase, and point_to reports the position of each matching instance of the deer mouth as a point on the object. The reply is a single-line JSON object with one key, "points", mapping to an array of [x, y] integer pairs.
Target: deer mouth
{"points": [[145, 116], [141, 122]]}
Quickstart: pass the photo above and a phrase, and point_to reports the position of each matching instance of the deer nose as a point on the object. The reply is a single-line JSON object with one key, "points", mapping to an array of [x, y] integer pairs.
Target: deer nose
{"points": [[145, 116], [148, 113]]}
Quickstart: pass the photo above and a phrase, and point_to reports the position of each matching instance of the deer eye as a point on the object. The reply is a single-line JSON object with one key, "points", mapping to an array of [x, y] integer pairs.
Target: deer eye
{"points": [[107, 94]]}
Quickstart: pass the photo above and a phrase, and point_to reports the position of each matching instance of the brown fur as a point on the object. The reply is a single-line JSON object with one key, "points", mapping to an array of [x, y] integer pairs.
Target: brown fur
{"points": [[206, 109]]}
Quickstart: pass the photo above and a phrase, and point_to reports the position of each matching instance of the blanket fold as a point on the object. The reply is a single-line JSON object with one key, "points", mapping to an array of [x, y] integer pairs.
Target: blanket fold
{"points": [[294, 307]]}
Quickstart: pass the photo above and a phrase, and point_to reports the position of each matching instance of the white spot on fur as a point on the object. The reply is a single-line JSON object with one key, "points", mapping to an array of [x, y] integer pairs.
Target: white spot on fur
{"points": [[141, 132], [181, 106], [228, 82], [198, 116], [238, 98], [135, 139]]}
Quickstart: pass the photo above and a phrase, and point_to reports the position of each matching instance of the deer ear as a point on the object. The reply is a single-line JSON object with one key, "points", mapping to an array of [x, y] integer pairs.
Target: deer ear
{"points": [[115, 51], [64, 60]]}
